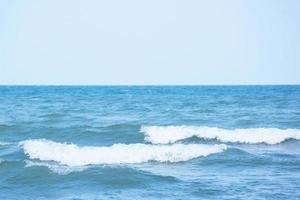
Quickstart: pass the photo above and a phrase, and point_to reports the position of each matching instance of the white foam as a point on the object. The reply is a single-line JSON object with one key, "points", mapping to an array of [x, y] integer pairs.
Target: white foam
{"points": [[73, 155], [171, 134]]}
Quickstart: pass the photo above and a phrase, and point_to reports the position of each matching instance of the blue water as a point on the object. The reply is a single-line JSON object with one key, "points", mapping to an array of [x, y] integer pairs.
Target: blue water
{"points": [[150, 142]]}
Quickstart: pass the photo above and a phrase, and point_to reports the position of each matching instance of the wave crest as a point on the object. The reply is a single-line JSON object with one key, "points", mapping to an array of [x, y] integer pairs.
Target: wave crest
{"points": [[73, 155], [171, 134], [5, 143], [54, 167]]}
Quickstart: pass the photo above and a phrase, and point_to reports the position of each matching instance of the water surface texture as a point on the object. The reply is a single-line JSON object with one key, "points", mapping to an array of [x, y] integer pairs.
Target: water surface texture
{"points": [[150, 142]]}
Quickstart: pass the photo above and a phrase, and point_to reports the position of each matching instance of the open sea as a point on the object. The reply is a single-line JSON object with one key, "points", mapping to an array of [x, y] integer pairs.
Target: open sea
{"points": [[149, 142]]}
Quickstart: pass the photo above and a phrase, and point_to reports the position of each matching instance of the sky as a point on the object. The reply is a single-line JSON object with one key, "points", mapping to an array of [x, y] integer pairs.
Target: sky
{"points": [[157, 42]]}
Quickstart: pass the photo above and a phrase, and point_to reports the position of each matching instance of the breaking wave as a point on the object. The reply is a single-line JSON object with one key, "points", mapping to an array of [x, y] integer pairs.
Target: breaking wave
{"points": [[171, 134], [73, 155]]}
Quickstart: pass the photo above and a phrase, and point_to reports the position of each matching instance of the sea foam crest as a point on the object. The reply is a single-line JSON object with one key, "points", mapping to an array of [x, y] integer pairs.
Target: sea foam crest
{"points": [[73, 155], [171, 134]]}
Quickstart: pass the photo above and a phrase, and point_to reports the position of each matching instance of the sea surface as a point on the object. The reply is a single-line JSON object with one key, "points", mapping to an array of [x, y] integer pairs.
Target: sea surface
{"points": [[149, 142]]}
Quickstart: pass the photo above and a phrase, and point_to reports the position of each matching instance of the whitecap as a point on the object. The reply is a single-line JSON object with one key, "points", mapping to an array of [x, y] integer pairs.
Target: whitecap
{"points": [[172, 134], [73, 155]]}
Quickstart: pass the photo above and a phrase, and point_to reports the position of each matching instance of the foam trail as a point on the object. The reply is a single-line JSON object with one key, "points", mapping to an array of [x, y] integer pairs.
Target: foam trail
{"points": [[171, 134], [73, 155]]}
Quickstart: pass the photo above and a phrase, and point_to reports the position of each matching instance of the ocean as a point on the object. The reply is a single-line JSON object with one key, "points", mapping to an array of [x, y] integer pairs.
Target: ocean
{"points": [[149, 142]]}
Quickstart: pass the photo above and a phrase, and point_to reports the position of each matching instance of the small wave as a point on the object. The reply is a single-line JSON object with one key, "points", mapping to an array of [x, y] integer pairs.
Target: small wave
{"points": [[73, 155], [5, 143], [171, 134], [56, 168]]}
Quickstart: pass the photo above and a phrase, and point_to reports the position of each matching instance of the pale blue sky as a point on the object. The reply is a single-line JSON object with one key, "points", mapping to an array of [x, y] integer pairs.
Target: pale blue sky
{"points": [[150, 42]]}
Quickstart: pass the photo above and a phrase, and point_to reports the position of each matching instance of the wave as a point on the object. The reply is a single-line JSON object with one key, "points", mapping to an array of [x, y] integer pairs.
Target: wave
{"points": [[172, 134], [73, 155], [56, 168], [5, 143]]}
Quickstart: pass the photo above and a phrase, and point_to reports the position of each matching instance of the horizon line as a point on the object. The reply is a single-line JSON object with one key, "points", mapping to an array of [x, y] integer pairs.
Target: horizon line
{"points": [[133, 85]]}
